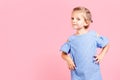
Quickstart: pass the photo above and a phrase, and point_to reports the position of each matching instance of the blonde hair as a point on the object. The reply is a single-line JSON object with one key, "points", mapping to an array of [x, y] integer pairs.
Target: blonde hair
{"points": [[86, 14]]}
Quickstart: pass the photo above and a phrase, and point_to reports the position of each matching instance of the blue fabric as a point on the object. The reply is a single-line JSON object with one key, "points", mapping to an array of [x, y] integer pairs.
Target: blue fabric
{"points": [[82, 48], [101, 41]]}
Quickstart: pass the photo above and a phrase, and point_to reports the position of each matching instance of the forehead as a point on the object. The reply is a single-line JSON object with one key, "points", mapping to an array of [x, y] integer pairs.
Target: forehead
{"points": [[77, 14]]}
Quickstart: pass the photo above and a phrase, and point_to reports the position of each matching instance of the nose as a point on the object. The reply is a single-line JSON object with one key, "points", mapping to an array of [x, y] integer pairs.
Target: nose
{"points": [[74, 21]]}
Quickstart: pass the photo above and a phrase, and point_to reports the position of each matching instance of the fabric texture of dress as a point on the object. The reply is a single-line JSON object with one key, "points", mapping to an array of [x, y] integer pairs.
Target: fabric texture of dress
{"points": [[82, 48]]}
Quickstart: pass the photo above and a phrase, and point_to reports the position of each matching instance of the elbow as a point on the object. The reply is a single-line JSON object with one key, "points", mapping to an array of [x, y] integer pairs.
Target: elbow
{"points": [[62, 55]]}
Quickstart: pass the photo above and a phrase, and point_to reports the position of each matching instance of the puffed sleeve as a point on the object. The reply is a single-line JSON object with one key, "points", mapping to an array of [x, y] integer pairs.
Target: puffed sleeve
{"points": [[66, 47], [101, 41]]}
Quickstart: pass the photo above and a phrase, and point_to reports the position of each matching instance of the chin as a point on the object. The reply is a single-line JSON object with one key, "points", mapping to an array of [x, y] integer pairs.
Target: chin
{"points": [[76, 27]]}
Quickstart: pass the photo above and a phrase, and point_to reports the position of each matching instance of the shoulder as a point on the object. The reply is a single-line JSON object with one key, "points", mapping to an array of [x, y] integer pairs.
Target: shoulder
{"points": [[93, 33], [96, 33], [70, 38]]}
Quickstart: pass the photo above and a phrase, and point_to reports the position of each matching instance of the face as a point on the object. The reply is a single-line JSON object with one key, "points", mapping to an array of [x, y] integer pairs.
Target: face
{"points": [[77, 20]]}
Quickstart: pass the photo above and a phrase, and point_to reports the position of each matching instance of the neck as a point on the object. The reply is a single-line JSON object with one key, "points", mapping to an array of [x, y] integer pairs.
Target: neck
{"points": [[81, 31]]}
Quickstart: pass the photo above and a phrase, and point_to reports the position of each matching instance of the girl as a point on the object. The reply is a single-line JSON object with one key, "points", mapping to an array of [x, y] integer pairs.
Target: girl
{"points": [[80, 50]]}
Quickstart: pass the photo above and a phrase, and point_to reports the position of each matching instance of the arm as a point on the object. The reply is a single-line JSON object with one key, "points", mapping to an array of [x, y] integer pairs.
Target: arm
{"points": [[100, 56], [69, 61]]}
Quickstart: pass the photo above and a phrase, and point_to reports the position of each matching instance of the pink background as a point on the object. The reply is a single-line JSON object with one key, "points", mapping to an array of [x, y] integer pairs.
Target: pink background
{"points": [[32, 31]]}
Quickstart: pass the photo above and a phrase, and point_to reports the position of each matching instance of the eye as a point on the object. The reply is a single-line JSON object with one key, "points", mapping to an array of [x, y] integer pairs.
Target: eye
{"points": [[72, 18], [78, 19]]}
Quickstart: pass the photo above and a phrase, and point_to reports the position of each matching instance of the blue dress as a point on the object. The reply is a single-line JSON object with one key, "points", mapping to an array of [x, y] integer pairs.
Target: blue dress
{"points": [[82, 48]]}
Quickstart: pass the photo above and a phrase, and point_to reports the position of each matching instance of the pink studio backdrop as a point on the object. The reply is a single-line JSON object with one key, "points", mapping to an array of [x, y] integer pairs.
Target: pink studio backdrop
{"points": [[32, 31]]}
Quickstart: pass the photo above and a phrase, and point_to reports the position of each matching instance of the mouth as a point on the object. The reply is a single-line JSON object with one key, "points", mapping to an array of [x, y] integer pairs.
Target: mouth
{"points": [[74, 24]]}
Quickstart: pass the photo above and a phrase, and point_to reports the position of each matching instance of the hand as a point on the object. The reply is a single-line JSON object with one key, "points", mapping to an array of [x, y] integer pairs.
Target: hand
{"points": [[98, 58], [71, 64]]}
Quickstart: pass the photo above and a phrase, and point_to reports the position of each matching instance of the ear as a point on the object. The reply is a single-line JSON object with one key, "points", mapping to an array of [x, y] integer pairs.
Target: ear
{"points": [[87, 22]]}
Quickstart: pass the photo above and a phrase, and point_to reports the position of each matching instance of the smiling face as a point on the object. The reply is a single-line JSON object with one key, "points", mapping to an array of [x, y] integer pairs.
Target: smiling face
{"points": [[78, 20]]}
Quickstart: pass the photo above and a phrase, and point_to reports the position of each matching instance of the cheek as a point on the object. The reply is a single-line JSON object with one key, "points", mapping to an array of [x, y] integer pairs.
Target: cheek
{"points": [[80, 23]]}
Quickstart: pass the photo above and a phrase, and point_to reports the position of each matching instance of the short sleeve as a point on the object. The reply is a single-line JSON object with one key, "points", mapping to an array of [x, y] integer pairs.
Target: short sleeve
{"points": [[101, 41], [65, 47]]}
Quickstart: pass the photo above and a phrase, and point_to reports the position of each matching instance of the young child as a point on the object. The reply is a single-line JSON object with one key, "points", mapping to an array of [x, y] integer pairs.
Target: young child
{"points": [[80, 50]]}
